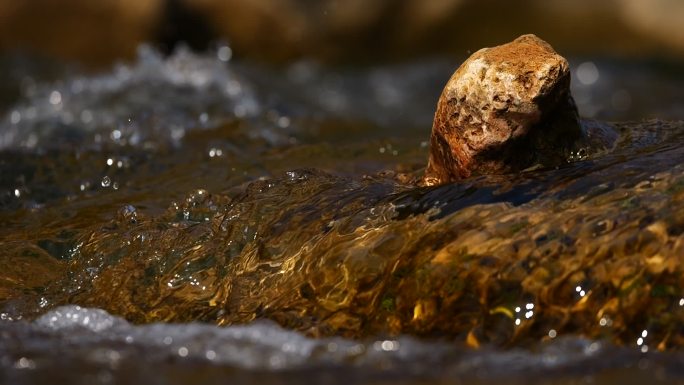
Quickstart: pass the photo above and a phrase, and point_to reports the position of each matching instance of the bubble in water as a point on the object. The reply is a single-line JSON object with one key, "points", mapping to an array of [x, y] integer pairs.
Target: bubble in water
{"points": [[106, 181], [224, 53]]}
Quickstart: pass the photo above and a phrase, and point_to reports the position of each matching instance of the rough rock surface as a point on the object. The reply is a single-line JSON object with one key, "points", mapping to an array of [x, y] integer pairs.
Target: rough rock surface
{"points": [[506, 108]]}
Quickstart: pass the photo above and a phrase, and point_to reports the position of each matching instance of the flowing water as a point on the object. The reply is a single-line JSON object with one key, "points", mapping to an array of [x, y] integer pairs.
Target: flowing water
{"points": [[194, 220]]}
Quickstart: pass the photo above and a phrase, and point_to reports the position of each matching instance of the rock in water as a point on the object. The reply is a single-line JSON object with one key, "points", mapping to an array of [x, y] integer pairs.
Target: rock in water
{"points": [[506, 108]]}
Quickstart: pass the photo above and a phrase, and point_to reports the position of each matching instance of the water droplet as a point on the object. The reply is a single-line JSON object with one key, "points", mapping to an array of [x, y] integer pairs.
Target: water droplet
{"points": [[24, 363], [183, 351], [15, 117], [233, 88], [210, 354], [17, 192], [389, 345], [177, 132], [224, 53], [215, 152], [552, 333], [128, 213], [587, 73], [55, 98], [283, 122], [594, 347], [603, 321], [106, 182], [32, 141]]}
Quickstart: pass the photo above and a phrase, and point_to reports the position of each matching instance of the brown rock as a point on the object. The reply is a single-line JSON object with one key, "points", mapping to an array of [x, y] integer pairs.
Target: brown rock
{"points": [[505, 109]]}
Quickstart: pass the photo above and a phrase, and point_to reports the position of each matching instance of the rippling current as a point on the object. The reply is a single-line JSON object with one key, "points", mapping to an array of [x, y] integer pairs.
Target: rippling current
{"points": [[192, 219]]}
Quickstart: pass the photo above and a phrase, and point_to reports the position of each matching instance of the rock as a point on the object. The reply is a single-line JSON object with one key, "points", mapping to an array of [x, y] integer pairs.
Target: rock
{"points": [[505, 109]]}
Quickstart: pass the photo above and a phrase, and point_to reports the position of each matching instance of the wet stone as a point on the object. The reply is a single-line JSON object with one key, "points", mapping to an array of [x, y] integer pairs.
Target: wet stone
{"points": [[506, 108]]}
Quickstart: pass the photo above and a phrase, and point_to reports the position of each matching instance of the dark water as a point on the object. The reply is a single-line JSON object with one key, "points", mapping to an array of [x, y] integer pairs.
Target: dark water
{"points": [[254, 225]]}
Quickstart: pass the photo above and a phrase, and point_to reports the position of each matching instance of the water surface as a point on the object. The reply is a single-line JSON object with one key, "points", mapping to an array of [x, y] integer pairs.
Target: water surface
{"points": [[220, 220]]}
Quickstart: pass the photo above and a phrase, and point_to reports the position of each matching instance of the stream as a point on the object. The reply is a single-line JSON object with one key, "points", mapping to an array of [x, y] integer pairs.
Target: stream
{"points": [[192, 219]]}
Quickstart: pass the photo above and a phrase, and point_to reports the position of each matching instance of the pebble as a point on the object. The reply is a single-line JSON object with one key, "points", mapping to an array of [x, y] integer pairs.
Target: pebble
{"points": [[506, 108]]}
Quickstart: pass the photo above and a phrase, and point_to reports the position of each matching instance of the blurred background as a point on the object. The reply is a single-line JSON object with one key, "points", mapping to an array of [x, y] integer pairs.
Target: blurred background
{"points": [[95, 33], [626, 55]]}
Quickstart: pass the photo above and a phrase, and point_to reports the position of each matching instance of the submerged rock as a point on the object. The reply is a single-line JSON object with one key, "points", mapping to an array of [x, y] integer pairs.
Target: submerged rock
{"points": [[505, 109]]}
